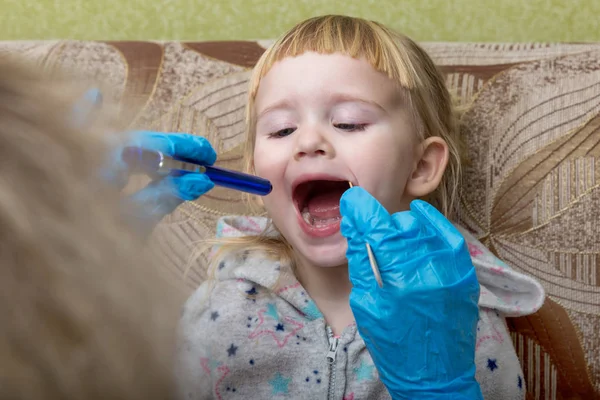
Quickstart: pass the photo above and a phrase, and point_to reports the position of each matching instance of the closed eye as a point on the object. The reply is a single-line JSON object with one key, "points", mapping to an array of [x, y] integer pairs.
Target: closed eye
{"points": [[351, 127], [282, 133]]}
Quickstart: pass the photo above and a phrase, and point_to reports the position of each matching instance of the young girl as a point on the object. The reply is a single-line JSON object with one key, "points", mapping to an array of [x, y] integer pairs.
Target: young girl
{"points": [[338, 100]]}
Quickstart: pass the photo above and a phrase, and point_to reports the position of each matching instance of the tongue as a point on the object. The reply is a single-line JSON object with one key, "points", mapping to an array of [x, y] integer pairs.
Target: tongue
{"points": [[326, 204]]}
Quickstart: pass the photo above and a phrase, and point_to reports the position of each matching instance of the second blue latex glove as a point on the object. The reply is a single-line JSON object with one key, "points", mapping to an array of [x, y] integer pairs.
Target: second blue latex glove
{"points": [[420, 327], [162, 196]]}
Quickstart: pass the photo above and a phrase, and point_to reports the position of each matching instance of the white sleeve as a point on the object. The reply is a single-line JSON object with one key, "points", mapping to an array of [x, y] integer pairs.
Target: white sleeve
{"points": [[499, 372]]}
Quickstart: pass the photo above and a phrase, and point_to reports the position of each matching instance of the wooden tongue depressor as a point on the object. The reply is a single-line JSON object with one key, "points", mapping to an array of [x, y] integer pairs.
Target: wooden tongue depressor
{"points": [[372, 260]]}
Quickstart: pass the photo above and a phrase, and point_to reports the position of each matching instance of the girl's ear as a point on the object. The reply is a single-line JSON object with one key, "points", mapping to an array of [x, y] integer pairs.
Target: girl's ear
{"points": [[431, 163]]}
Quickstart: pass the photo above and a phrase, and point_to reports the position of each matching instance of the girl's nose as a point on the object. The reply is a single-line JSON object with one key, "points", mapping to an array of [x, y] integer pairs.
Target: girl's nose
{"points": [[312, 142]]}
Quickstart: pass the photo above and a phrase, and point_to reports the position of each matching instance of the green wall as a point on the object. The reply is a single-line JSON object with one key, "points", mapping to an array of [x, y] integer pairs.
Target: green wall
{"points": [[424, 20]]}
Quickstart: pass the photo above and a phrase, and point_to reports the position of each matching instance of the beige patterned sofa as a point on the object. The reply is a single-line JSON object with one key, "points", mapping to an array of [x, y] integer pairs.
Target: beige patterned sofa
{"points": [[531, 189]]}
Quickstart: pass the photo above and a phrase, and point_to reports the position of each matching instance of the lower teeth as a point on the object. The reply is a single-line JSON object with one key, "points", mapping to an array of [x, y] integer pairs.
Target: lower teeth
{"points": [[309, 219], [324, 222]]}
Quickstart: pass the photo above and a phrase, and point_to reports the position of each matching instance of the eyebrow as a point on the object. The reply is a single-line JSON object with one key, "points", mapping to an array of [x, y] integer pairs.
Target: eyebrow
{"points": [[348, 98], [336, 98], [278, 105]]}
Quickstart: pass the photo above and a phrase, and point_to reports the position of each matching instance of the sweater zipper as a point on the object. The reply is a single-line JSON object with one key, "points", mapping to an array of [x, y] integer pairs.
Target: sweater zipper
{"points": [[331, 356]]}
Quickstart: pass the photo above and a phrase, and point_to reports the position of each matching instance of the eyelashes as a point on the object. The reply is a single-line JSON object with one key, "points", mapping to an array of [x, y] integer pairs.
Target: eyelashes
{"points": [[282, 133], [351, 127], [346, 127]]}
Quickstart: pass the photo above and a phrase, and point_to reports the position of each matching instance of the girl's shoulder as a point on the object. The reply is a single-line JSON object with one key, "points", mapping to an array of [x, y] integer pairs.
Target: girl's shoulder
{"points": [[242, 284], [503, 288]]}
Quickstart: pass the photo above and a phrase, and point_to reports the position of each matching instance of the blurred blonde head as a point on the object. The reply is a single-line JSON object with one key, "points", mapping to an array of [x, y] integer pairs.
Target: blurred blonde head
{"points": [[85, 313]]}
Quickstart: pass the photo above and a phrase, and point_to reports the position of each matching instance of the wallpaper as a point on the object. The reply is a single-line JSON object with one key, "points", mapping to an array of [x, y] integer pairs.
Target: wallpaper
{"points": [[424, 20]]}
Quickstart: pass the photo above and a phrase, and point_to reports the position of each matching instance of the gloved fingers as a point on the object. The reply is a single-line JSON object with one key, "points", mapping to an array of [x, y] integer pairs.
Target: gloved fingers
{"points": [[115, 170], [364, 220], [359, 268], [395, 250], [448, 234], [416, 239], [406, 224], [191, 185], [436, 222], [187, 186], [163, 196], [180, 145], [364, 216]]}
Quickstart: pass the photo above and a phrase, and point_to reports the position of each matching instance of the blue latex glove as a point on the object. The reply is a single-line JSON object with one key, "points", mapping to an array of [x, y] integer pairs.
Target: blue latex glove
{"points": [[161, 197], [420, 327]]}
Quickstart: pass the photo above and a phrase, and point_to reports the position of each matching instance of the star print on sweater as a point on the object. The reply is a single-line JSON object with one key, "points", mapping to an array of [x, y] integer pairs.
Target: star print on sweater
{"points": [[221, 371], [280, 384], [311, 310], [232, 350], [252, 291], [364, 372], [270, 325]]}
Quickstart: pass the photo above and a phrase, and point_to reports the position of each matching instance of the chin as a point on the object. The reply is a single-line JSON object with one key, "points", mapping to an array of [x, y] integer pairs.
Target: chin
{"points": [[324, 256]]}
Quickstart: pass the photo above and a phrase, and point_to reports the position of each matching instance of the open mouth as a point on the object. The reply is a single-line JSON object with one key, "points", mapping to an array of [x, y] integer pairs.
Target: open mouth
{"points": [[318, 203]]}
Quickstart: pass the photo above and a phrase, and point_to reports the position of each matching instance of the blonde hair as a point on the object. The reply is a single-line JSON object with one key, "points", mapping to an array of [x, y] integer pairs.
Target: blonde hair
{"points": [[389, 52], [85, 313]]}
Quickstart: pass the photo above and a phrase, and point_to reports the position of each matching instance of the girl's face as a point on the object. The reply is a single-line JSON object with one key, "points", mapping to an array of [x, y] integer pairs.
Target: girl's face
{"points": [[324, 120]]}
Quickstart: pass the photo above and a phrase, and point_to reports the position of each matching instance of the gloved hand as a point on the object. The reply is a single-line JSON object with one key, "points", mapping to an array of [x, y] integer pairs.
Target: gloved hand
{"points": [[162, 196], [420, 327]]}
